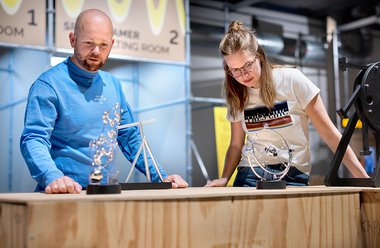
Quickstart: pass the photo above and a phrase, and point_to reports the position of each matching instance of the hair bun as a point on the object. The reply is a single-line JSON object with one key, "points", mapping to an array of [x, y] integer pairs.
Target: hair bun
{"points": [[235, 26]]}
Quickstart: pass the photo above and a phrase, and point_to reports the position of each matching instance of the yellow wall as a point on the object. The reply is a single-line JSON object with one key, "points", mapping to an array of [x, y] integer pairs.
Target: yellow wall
{"points": [[222, 138]]}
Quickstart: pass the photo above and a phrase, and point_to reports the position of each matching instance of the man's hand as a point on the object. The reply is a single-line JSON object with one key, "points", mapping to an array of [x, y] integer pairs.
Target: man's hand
{"points": [[63, 185], [177, 181]]}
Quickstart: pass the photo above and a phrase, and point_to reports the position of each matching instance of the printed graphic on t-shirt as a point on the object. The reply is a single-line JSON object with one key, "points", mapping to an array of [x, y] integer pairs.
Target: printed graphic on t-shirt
{"points": [[256, 118], [100, 99]]}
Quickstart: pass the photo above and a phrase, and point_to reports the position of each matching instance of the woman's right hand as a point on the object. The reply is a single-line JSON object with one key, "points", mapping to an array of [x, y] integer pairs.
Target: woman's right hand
{"points": [[220, 182]]}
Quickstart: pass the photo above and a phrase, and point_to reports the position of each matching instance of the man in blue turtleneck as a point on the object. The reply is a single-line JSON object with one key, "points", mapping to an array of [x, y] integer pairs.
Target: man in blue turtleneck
{"points": [[65, 109]]}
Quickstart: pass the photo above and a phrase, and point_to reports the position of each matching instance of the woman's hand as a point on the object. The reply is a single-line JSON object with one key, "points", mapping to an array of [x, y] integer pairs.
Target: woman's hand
{"points": [[220, 182]]}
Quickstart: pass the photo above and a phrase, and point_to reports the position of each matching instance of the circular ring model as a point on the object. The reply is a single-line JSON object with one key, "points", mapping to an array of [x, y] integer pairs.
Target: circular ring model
{"points": [[268, 150]]}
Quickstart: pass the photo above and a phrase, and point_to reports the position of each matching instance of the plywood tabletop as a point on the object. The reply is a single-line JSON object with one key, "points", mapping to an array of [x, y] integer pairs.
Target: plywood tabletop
{"points": [[167, 194]]}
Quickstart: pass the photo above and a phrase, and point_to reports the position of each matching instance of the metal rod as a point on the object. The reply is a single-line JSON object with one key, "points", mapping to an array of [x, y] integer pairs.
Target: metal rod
{"points": [[136, 90], [135, 124], [188, 120], [332, 176], [50, 19], [343, 111], [12, 104], [158, 106], [336, 72], [134, 162], [147, 171], [359, 23], [208, 100], [13, 45], [200, 161], [11, 119], [153, 160], [343, 65]]}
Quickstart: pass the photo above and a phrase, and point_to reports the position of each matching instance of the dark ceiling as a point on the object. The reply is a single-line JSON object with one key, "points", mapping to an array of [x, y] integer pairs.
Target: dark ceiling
{"points": [[358, 21], [343, 11]]}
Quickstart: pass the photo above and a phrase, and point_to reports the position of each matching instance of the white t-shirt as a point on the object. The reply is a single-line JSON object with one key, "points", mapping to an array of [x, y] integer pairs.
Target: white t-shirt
{"points": [[294, 91]]}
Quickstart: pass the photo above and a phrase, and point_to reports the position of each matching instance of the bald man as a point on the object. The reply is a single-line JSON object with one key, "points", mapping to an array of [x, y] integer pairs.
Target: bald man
{"points": [[65, 108]]}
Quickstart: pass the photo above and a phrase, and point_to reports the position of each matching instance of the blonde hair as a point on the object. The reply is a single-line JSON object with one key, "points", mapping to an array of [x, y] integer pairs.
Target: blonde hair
{"points": [[240, 38]]}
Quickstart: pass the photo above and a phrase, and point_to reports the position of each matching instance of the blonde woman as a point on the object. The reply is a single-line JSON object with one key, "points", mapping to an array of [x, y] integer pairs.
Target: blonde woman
{"points": [[254, 90]]}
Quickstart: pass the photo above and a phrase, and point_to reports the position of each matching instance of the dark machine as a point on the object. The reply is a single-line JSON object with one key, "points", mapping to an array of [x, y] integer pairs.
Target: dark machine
{"points": [[366, 100]]}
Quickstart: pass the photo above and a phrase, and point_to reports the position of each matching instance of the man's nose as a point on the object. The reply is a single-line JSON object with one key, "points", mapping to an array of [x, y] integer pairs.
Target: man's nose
{"points": [[96, 49]]}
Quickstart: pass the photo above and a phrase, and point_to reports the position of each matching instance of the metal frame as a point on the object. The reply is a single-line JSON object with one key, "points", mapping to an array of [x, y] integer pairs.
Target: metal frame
{"points": [[332, 178]]}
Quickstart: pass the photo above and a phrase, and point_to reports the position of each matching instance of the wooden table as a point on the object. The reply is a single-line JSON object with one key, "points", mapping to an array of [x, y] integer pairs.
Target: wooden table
{"points": [[314, 216]]}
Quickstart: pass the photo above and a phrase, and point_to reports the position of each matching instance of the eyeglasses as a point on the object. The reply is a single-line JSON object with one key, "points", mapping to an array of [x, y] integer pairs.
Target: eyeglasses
{"points": [[247, 67]]}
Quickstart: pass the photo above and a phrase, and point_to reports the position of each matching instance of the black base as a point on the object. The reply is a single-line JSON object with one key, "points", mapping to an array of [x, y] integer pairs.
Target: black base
{"points": [[93, 189], [271, 184], [354, 182], [146, 185]]}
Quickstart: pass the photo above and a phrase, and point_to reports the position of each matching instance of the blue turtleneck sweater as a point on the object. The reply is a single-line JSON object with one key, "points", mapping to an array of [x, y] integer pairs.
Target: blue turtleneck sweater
{"points": [[63, 114]]}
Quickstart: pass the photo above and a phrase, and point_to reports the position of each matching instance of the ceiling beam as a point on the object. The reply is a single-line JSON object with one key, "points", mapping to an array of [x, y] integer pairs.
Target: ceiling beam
{"points": [[359, 23], [244, 3]]}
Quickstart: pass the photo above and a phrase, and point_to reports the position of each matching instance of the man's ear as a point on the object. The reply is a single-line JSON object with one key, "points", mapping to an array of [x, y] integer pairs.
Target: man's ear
{"points": [[72, 39]]}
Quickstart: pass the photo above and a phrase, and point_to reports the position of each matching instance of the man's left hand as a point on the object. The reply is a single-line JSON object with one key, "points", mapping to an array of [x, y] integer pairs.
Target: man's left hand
{"points": [[177, 181]]}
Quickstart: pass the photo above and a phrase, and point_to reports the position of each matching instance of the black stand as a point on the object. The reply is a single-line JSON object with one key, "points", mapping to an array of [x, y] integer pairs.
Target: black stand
{"points": [[93, 189], [332, 178], [146, 185], [364, 87], [271, 184]]}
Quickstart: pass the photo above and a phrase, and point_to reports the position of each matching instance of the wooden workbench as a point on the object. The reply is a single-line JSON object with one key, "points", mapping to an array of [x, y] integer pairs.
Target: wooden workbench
{"points": [[315, 216]]}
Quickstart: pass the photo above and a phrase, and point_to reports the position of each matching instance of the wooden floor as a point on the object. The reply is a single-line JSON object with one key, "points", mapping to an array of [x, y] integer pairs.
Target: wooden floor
{"points": [[315, 216]]}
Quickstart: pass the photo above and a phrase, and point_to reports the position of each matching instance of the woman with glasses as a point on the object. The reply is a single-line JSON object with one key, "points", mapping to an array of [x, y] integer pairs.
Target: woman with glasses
{"points": [[260, 94]]}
